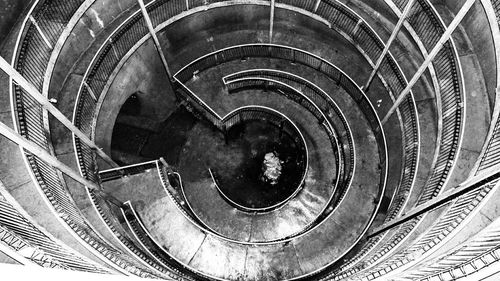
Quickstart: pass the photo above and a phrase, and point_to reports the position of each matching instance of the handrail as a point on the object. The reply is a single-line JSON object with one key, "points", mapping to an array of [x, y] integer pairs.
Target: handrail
{"points": [[32, 55], [311, 2], [480, 251], [109, 218], [327, 68], [292, 54], [150, 245], [321, 99], [280, 5], [453, 122], [462, 210], [238, 115], [114, 173], [23, 236], [300, 98]]}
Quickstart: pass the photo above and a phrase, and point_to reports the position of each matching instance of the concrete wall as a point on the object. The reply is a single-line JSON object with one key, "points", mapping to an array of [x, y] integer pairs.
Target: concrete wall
{"points": [[11, 11]]}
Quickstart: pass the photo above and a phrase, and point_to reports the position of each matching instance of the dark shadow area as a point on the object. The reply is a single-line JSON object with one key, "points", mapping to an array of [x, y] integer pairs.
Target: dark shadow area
{"points": [[241, 170]]}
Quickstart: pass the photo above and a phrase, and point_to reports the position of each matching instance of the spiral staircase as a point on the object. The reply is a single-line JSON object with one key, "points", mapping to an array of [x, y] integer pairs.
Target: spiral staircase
{"points": [[126, 125]]}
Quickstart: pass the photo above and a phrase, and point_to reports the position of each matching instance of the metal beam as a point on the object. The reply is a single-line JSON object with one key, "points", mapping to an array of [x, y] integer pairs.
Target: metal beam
{"points": [[152, 31], [393, 36], [45, 39], [44, 155], [271, 21], [44, 102], [444, 38], [469, 185]]}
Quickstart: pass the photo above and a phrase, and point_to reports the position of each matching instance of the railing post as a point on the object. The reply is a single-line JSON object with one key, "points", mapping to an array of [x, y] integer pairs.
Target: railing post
{"points": [[152, 31], [393, 36], [444, 38], [45, 103], [44, 156], [271, 22]]}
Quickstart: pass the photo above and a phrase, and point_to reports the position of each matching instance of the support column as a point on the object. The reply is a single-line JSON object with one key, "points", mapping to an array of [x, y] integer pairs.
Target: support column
{"points": [[155, 38], [44, 102], [444, 38], [271, 21], [393, 36]]}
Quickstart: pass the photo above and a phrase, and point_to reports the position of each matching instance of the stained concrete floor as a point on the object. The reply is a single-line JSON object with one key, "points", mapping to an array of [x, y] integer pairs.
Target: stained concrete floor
{"points": [[221, 258]]}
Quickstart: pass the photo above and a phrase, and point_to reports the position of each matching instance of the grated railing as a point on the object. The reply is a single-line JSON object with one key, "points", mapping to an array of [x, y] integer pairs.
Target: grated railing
{"points": [[481, 250], [347, 21], [151, 245], [319, 104], [426, 23], [34, 244], [111, 215], [31, 60]]}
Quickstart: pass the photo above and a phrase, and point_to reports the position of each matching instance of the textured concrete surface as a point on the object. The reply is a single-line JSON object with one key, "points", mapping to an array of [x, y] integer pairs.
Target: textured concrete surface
{"points": [[225, 259]]}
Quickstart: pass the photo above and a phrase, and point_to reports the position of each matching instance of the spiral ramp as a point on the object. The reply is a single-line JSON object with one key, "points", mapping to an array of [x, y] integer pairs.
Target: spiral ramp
{"points": [[387, 157]]}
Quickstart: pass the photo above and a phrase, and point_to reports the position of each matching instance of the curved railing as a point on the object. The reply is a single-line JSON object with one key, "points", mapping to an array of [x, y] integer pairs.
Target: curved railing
{"points": [[32, 243], [470, 258], [428, 26], [293, 55], [38, 36], [86, 155], [109, 214], [326, 104], [240, 81], [254, 112], [149, 243], [113, 63]]}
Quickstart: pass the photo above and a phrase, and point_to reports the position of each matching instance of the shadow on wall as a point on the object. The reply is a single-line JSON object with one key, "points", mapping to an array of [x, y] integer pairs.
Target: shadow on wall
{"points": [[10, 12]]}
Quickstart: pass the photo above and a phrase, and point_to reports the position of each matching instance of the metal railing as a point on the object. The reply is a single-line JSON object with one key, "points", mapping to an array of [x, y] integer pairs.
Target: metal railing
{"points": [[151, 246], [286, 126], [47, 21], [20, 234], [110, 215], [116, 173], [341, 135], [294, 55], [31, 113], [427, 24], [241, 80], [480, 252], [347, 25]]}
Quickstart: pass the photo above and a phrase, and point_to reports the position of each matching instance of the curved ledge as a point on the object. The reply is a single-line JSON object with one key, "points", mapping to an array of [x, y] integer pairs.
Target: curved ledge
{"points": [[235, 115]]}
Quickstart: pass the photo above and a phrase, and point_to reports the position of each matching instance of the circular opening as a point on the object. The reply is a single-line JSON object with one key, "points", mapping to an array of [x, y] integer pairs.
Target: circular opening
{"points": [[260, 167]]}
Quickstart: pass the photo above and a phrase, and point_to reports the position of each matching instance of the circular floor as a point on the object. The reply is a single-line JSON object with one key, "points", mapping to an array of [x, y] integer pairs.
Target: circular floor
{"points": [[241, 171]]}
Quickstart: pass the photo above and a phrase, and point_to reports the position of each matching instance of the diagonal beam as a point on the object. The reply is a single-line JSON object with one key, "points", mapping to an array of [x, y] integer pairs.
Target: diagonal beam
{"points": [[152, 31], [271, 21], [444, 38], [393, 36], [44, 156], [44, 102], [473, 183]]}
